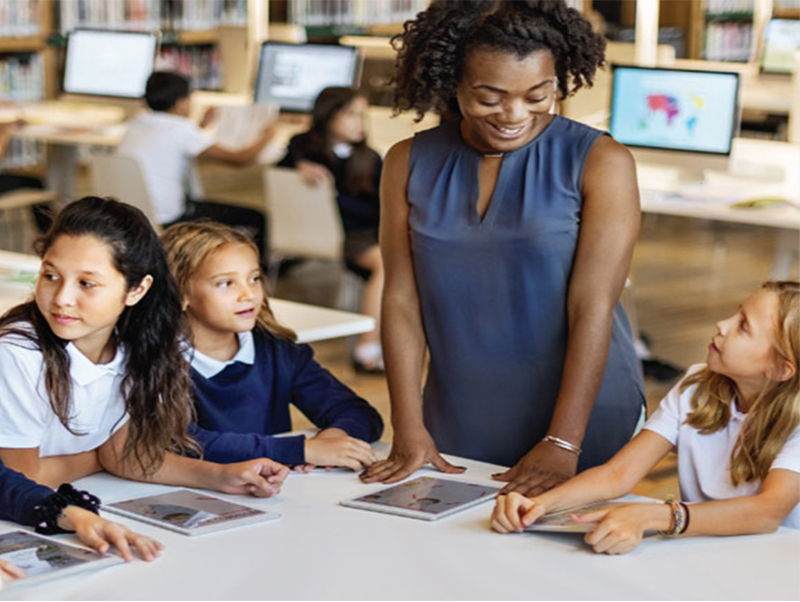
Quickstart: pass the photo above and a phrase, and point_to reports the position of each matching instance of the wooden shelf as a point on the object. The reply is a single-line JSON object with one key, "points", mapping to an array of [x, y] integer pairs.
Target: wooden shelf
{"points": [[187, 38], [21, 44], [787, 13]]}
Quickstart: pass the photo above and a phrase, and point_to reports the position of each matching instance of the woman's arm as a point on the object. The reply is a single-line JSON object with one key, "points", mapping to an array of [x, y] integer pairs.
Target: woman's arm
{"points": [[260, 477], [402, 333], [51, 470], [608, 231], [613, 479]]}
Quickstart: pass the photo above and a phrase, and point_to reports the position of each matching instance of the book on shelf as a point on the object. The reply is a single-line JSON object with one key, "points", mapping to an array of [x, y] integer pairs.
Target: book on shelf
{"points": [[201, 64], [20, 18], [353, 12]]}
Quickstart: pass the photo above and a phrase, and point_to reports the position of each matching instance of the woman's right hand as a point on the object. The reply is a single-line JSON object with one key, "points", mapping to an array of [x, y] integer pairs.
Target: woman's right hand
{"points": [[10, 571], [314, 174], [410, 452], [513, 512]]}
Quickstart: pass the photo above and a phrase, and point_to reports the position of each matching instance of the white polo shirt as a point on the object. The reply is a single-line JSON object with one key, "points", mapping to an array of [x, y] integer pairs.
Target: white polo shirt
{"points": [[704, 460], [26, 418], [208, 367], [165, 145]]}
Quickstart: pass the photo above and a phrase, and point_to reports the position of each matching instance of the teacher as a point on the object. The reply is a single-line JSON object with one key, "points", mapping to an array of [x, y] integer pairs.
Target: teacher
{"points": [[507, 236]]}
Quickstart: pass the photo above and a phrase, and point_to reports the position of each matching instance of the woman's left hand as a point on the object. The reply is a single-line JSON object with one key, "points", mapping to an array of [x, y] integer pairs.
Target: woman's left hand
{"points": [[542, 468]]}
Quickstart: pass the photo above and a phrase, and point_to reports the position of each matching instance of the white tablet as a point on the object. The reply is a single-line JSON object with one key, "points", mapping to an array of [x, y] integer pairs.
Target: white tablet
{"points": [[44, 558], [428, 498], [189, 512]]}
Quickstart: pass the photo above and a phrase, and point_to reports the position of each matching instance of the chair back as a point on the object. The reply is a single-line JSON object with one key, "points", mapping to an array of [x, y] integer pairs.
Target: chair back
{"points": [[121, 177], [304, 220]]}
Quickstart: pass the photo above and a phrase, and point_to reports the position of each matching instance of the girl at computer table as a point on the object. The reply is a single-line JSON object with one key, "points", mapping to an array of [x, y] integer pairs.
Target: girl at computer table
{"points": [[734, 423]]}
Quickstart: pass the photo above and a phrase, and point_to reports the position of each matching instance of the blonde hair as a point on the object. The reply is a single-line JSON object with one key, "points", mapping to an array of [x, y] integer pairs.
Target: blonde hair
{"points": [[776, 411], [189, 244]]}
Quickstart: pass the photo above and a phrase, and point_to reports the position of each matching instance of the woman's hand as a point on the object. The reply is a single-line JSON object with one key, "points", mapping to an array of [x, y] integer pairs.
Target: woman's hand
{"points": [[314, 174], [334, 447], [10, 571], [409, 453], [261, 477], [620, 529], [541, 469], [513, 512], [101, 534]]}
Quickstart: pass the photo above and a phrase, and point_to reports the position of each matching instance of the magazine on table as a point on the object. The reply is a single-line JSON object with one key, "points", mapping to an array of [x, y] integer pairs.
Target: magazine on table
{"points": [[44, 557], [190, 512], [428, 498]]}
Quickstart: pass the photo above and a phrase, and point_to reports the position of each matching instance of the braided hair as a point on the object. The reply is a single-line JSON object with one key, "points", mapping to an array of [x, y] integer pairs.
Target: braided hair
{"points": [[433, 47]]}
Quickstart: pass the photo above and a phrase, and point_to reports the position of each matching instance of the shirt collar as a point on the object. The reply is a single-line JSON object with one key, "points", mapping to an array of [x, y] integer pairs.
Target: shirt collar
{"points": [[208, 367], [83, 371]]}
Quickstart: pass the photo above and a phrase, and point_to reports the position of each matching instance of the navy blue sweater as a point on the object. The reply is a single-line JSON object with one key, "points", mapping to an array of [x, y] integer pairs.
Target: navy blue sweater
{"points": [[241, 407], [19, 496]]}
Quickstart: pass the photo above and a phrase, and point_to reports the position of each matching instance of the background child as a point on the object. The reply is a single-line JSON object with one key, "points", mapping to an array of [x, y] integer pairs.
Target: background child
{"points": [[246, 369], [335, 150], [50, 512], [91, 375], [166, 141], [734, 423]]}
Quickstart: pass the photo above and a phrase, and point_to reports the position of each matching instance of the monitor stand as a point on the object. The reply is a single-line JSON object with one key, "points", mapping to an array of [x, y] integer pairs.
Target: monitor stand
{"points": [[667, 170]]}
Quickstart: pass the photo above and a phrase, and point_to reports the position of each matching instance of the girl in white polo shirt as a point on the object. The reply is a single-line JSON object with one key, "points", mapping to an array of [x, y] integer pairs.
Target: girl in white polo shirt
{"points": [[91, 376], [734, 424]]}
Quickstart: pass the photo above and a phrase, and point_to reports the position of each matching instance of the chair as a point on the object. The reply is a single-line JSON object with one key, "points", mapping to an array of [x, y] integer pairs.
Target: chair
{"points": [[20, 199], [121, 177], [304, 221]]}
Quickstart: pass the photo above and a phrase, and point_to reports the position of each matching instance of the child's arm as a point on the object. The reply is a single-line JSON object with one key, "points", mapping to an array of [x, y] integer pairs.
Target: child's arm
{"points": [[225, 447], [51, 470], [327, 402], [243, 156], [260, 477], [610, 480]]}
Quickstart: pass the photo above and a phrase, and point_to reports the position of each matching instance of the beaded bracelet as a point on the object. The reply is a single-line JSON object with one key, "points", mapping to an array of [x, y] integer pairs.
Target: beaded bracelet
{"points": [[566, 445], [677, 521], [50, 510]]}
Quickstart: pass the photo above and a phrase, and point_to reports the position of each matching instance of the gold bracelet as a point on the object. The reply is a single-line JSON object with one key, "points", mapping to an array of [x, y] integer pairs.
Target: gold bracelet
{"points": [[565, 445]]}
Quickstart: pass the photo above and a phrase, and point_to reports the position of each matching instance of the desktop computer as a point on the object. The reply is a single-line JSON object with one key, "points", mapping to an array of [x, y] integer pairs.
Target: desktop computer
{"points": [[292, 75], [680, 122]]}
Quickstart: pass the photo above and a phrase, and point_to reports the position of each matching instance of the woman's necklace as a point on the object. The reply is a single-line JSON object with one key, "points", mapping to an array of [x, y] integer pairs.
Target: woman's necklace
{"points": [[492, 155]]}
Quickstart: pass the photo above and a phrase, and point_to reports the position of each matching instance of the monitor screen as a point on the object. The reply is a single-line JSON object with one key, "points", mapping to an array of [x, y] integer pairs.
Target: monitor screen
{"points": [[292, 75], [674, 109], [781, 41], [109, 63]]}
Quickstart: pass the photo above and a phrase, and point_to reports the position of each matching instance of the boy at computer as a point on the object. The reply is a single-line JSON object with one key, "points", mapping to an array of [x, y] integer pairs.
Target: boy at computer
{"points": [[165, 142]]}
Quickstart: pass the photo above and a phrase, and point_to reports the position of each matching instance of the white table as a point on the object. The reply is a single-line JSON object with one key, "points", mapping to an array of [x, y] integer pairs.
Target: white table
{"points": [[311, 323], [320, 550]]}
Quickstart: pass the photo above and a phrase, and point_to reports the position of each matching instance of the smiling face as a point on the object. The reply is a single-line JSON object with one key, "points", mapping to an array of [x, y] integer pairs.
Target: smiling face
{"points": [[81, 294], [743, 348], [224, 295], [505, 100]]}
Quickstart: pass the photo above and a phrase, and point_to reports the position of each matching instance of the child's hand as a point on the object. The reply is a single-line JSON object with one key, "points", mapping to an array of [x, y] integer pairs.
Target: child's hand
{"points": [[100, 534], [333, 447], [513, 512], [261, 477], [209, 116], [10, 571], [314, 174], [620, 528]]}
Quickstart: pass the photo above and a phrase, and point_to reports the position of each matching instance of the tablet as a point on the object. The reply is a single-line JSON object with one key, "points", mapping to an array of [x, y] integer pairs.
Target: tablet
{"points": [[560, 522], [189, 512], [43, 557], [428, 498]]}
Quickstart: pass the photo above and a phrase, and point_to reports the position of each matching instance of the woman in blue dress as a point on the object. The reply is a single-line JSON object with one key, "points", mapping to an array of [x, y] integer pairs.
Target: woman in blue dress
{"points": [[507, 235]]}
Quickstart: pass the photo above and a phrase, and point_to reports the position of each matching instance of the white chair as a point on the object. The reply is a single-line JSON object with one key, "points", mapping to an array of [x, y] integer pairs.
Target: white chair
{"points": [[304, 221], [121, 177]]}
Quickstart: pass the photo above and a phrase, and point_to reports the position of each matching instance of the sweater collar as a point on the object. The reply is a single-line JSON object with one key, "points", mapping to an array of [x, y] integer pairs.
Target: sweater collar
{"points": [[208, 367]]}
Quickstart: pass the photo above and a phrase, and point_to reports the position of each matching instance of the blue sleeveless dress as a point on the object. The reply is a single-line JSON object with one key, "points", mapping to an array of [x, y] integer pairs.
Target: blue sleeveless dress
{"points": [[493, 296]]}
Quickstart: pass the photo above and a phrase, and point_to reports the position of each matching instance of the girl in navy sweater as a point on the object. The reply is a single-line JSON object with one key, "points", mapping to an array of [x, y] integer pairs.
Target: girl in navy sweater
{"points": [[246, 368], [50, 512]]}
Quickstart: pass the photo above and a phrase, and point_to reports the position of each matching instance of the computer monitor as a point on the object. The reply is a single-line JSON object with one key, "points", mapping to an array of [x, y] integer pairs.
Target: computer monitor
{"points": [[109, 63], [674, 117], [292, 75], [781, 41]]}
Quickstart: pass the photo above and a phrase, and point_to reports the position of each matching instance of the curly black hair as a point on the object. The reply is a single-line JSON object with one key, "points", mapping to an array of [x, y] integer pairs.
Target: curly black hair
{"points": [[432, 48]]}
